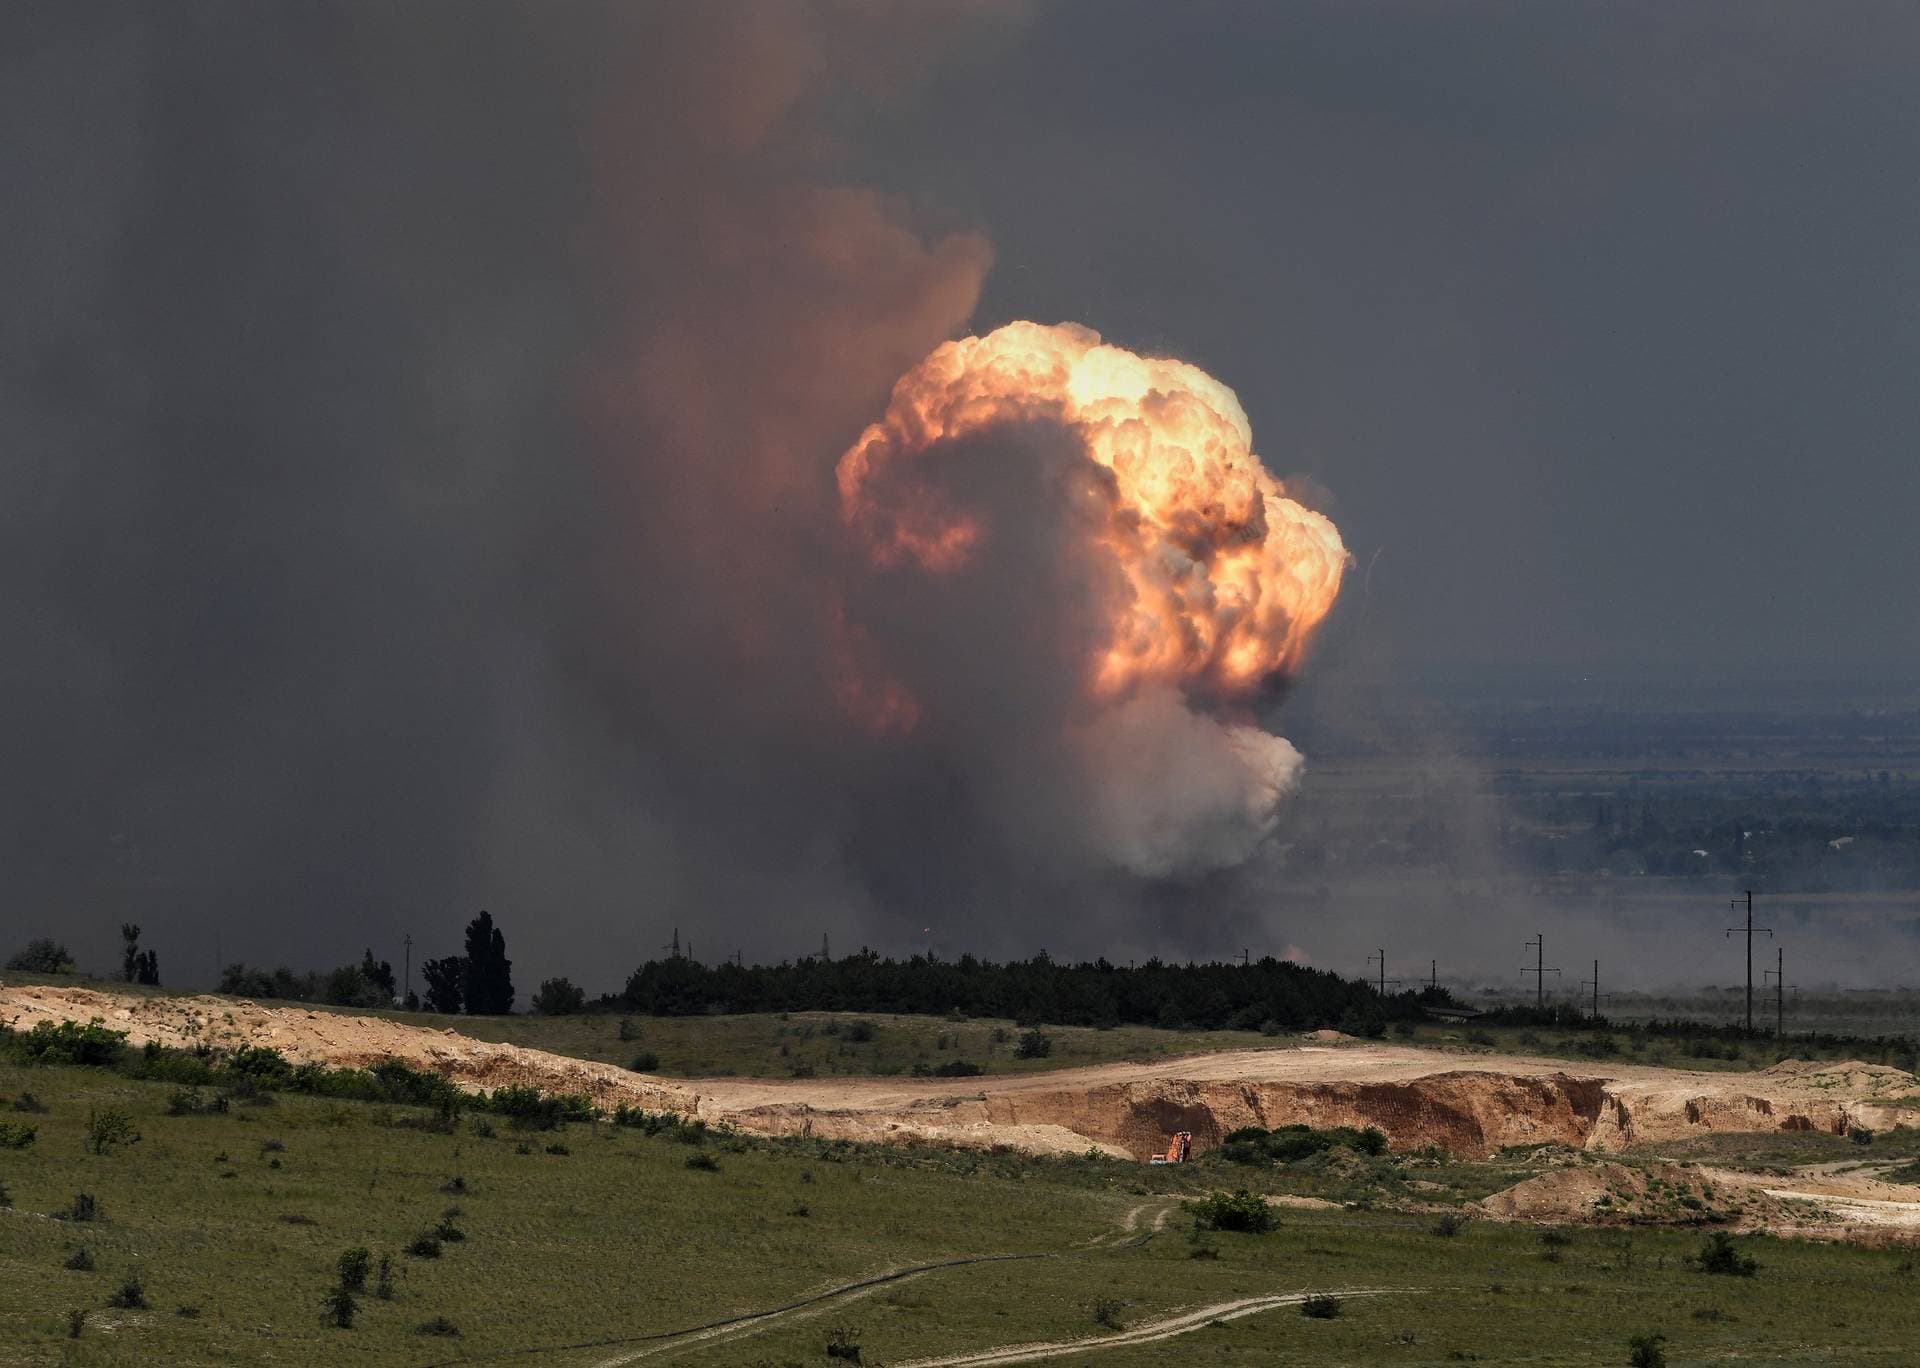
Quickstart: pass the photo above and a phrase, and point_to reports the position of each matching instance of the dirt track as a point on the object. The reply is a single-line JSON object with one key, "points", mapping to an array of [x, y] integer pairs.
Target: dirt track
{"points": [[1467, 1103]]}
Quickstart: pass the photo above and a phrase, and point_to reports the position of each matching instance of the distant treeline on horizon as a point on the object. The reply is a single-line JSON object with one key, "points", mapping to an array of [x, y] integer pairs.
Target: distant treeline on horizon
{"points": [[1266, 994]]}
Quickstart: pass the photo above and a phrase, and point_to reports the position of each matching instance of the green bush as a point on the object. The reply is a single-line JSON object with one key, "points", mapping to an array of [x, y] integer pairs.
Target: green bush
{"points": [[340, 1307], [68, 1042], [84, 1208], [1034, 1045], [17, 1137], [1240, 1210], [1253, 1145], [425, 1246], [645, 1062], [1320, 1306], [80, 1261], [42, 955], [440, 1326], [558, 997], [354, 1266], [1645, 1351], [132, 1296], [1721, 1255]]}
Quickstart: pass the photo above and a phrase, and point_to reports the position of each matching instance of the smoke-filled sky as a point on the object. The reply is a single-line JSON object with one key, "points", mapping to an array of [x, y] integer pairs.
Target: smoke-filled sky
{"points": [[419, 424]]}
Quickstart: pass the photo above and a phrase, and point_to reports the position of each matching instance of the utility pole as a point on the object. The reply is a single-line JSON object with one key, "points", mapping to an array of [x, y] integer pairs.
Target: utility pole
{"points": [[1540, 971], [1433, 975], [1779, 973], [406, 984], [1751, 928], [1594, 983], [1384, 980], [1243, 959], [673, 948], [826, 952]]}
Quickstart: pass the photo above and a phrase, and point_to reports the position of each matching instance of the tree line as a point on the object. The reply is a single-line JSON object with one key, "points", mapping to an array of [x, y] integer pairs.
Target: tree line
{"points": [[1267, 993]]}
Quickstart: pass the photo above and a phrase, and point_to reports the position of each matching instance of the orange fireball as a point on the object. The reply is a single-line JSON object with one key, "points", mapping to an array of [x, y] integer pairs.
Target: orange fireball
{"points": [[1229, 577]]}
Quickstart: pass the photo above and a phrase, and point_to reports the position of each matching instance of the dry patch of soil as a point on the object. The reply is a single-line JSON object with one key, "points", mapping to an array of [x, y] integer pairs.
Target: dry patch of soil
{"points": [[1468, 1104]]}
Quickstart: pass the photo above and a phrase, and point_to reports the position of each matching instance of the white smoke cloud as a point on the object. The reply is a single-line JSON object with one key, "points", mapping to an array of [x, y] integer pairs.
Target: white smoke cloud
{"points": [[1175, 792]]}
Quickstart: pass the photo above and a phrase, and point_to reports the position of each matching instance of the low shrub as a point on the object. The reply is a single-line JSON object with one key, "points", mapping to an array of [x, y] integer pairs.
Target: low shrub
{"points": [[1721, 1255], [80, 1261], [354, 1265], [1320, 1306], [1242, 1211], [645, 1062], [1451, 1223], [1106, 1313], [703, 1161], [85, 1208], [1288, 1144], [440, 1326], [1034, 1045], [31, 1105], [68, 1042], [132, 1296], [1646, 1351], [109, 1127], [383, 1279], [17, 1137], [425, 1246], [339, 1307]]}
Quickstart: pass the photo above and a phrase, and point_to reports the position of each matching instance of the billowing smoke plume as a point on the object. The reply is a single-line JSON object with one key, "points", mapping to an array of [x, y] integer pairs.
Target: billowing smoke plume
{"points": [[421, 488], [1143, 552]]}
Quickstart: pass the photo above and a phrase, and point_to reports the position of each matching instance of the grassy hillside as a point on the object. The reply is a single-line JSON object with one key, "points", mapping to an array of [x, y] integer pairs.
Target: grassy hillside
{"points": [[599, 1234]]}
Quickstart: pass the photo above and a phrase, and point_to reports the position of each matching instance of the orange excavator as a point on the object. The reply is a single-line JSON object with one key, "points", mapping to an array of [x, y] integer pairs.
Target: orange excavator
{"points": [[1179, 1149]]}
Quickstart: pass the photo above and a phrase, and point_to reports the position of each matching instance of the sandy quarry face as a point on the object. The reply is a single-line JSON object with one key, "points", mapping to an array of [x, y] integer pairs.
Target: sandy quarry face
{"points": [[1467, 1104]]}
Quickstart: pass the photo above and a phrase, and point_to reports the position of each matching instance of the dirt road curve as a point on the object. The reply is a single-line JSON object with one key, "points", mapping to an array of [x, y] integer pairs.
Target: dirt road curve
{"points": [[1468, 1103]]}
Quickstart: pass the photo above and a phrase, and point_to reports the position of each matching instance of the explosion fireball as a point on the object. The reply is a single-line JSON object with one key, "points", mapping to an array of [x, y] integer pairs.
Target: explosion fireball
{"points": [[1219, 578], [1229, 576]]}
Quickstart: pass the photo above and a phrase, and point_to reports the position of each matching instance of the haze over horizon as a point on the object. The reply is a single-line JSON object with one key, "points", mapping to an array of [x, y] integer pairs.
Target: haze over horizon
{"points": [[418, 435]]}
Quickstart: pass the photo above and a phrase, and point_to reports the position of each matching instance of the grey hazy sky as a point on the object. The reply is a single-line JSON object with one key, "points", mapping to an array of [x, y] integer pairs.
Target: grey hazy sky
{"points": [[417, 422], [1599, 321]]}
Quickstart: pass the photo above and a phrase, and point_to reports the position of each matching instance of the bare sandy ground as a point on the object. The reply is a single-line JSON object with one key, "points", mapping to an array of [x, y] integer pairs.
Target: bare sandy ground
{"points": [[1466, 1102]]}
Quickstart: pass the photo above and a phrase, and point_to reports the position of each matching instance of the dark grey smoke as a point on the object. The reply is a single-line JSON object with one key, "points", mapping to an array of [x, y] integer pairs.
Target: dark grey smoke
{"points": [[416, 427]]}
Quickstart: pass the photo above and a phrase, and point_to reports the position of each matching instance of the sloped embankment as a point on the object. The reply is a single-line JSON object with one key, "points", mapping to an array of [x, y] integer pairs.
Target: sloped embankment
{"points": [[1461, 1111]]}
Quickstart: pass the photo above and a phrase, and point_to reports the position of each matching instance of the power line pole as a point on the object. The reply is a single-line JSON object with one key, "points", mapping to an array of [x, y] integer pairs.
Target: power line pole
{"points": [[1779, 973], [1594, 983], [1540, 971], [1751, 928], [673, 948], [1243, 959], [826, 952], [406, 984], [1384, 980], [1433, 975]]}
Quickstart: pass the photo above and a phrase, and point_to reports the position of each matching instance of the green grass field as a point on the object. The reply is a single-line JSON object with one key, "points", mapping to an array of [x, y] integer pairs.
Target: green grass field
{"points": [[240, 1217]]}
